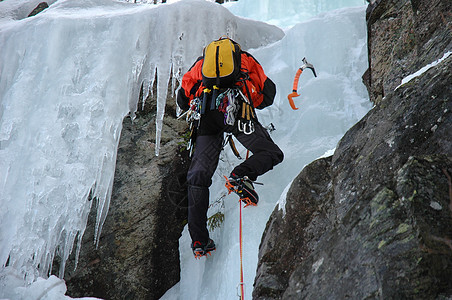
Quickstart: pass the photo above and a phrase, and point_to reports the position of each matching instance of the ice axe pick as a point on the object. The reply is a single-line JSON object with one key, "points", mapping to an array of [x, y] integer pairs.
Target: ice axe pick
{"points": [[295, 82]]}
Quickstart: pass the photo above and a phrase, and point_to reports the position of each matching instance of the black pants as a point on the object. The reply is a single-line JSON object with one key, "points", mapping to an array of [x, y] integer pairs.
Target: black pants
{"points": [[266, 154]]}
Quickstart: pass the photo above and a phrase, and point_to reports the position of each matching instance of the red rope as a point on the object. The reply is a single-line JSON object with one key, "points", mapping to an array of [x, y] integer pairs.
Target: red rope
{"points": [[242, 292]]}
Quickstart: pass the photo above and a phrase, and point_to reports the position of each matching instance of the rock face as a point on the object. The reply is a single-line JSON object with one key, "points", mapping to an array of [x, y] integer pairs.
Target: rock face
{"points": [[374, 221], [41, 6], [137, 256], [404, 36]]}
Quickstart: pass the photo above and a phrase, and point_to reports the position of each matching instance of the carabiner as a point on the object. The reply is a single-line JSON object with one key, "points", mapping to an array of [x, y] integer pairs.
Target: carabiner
{"points": [[250, 125], [246, 127]]}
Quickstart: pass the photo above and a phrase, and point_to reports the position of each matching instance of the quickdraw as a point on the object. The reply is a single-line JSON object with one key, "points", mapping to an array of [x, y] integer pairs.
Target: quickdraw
{"points": [[245, 123], [194, 113], [230, 114], [193, 116], [295, 82], [228, 102], [235, 106], [247, 127], [229, 107]]}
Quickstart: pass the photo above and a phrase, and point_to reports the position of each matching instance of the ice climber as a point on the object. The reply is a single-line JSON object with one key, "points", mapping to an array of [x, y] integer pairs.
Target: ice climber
{"points": [[220, 93]]}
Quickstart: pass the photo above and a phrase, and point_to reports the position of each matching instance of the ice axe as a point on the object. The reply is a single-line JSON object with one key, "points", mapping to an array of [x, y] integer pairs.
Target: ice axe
{"points": [[295, 82]]}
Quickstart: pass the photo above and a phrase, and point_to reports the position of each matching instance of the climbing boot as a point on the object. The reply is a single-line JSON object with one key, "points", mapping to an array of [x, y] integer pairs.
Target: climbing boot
{"points": [[243, 187], [202, 249]]}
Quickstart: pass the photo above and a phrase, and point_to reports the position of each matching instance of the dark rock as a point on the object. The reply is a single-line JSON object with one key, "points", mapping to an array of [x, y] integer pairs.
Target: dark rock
{"points": [[396, 245], [377, 224], [404, 36], [41, 6], [138, 252], [281, 251]]}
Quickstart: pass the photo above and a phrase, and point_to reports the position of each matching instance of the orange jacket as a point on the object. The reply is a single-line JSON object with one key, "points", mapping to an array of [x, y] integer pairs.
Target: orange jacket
{"points": [[258, 87]]}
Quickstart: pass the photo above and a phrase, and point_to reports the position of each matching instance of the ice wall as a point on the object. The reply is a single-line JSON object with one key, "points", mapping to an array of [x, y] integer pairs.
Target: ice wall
{"points": [[285, 14], [68, 77]]}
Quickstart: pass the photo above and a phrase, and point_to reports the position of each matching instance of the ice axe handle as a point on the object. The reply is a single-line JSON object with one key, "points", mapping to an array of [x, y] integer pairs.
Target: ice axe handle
{"points": [[296, 79]]}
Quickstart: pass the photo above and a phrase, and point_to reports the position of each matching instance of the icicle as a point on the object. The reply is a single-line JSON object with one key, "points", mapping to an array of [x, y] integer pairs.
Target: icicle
{"points": [[162, 92]]}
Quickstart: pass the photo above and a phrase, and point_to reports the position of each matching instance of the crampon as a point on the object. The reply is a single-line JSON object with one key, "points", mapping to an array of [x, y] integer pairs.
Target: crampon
{"points": [[200, 250], [243, 187]]}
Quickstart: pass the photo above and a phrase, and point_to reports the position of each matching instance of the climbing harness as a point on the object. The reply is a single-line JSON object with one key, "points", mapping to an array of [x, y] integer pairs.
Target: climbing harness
{"points": [[295, 82]]}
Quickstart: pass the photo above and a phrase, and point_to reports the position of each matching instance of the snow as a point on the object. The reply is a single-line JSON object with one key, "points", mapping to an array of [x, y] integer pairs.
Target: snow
{"points": [[423, 69], [283, 199], [68, 77], [50, 288]]}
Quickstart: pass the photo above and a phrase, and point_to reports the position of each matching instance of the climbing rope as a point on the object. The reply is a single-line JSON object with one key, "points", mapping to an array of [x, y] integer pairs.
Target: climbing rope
{"points": [[241, 284]]}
